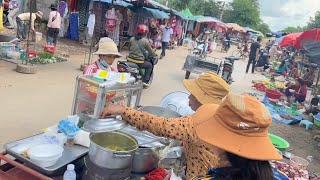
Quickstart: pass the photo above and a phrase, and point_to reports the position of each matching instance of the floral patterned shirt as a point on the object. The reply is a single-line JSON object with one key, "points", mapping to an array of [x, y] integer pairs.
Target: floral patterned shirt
{"points": [[198, 155]]}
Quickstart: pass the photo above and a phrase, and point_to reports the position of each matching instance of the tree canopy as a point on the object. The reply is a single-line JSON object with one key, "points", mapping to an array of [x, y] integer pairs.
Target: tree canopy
{"points": [[246, 13]]}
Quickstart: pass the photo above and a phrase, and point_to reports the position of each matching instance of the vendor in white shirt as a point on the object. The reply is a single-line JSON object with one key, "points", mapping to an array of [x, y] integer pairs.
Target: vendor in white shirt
{"points": [[23, 23], [167, 33]]}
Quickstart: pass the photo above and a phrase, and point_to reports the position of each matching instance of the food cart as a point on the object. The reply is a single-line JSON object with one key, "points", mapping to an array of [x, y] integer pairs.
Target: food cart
{"points": [[194, 64], [95, 161]]}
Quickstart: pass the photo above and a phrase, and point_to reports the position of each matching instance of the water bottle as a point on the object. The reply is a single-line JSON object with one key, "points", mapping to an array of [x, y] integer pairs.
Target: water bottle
{"points": [[70, 174]]}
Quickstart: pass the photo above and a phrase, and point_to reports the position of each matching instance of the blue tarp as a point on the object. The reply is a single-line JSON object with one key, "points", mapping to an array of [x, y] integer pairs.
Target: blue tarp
{"points": [[151, 13], [278, 40], [117, 3]]}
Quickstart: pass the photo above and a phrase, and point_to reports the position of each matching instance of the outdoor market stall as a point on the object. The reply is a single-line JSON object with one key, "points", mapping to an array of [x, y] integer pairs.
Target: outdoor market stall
{"points": [[103, 148]]}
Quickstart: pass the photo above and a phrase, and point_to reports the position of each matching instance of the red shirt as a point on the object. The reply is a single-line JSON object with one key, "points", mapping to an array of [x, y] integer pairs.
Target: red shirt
{"points": [[93, 68]]}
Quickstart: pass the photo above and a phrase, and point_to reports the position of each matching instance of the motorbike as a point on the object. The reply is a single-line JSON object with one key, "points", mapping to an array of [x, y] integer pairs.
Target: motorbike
{"points": [[200, 49], [228, 68], [226, 46], [135, 70]]}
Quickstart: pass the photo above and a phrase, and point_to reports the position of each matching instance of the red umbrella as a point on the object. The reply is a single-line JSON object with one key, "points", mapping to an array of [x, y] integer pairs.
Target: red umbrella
{"points": [[289, 39], [307, 37]]}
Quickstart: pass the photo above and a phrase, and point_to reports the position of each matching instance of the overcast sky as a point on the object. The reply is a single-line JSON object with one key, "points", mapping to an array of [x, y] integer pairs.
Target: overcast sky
{"points": [[279, 14]]}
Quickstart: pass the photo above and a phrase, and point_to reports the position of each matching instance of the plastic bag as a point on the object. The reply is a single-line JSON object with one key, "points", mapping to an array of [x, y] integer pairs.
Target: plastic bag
{"points": [[68, 128]]}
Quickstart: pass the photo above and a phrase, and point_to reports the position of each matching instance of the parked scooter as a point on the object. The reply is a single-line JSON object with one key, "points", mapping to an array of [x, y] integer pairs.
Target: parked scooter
{"points": [[226, 46], [228, 68], [135, 70]]}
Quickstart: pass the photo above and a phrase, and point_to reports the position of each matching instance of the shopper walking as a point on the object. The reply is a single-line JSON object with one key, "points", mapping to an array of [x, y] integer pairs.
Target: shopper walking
{"points": [[254, 54], [167, 33], [54, 24], [14, 10]]}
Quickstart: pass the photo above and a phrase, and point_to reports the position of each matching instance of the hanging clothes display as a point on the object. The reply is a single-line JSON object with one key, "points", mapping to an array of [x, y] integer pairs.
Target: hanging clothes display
{"points": [[73, 5], [73, 30], [196, 30], [134, 21], [124, 21], [63, 10], [190, 25], [91, 23], [100, 10], [1, 15], [111, 20], [177, 32], [116, 32], [83, 9]]}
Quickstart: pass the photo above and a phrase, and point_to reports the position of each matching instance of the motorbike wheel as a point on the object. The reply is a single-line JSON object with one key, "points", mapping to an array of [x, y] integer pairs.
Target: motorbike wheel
{"points": [[236, 53], [187, 75]]}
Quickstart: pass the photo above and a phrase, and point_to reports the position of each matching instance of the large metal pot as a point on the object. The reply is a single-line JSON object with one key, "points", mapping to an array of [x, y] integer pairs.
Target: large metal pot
{"points": [[145, 160], [111, 159]]}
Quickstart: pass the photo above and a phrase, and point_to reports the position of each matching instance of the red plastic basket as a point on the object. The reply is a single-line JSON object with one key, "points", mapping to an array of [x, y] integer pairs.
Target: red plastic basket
{"points": [[273, 94]]}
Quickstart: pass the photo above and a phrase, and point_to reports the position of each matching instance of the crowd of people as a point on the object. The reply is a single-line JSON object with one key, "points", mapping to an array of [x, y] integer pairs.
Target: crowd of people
{"points": [[282, 62], [21, 21]]}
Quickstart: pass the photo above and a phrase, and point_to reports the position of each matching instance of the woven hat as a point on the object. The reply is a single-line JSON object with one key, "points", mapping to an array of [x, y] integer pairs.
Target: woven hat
{"points": [[39, 14], [239, 126], [107, 46], [208, 88]]}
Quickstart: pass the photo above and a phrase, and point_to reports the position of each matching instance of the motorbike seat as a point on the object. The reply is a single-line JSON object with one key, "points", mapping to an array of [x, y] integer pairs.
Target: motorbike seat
{"points": [[129, 64], [232, 58]]}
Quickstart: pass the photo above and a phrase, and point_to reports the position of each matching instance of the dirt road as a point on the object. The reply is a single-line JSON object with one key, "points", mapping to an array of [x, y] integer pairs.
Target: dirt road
{"points": [[30, 103]]}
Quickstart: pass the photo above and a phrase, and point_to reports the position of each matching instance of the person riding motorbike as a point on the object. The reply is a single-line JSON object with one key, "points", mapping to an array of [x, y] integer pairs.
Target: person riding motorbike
{"points": [[140, 51], [203, 41]]}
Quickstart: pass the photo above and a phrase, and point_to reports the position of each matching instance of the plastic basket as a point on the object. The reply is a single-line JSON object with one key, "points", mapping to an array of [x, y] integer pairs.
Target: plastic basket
{"points": [[5, 47]]}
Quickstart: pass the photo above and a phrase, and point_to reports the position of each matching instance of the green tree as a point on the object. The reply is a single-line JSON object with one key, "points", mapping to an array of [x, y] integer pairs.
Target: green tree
{"points": [[314, 21], [180, 4], [244, 13], [263, 28], [292, 29]]}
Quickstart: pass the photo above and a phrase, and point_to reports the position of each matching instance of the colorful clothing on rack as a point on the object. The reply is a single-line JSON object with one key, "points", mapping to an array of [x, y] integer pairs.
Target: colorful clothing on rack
{"points": [[73, 30], [63, 10], [99, 9], [73, 5], [177, 32], [91, 23], [83, 10]]}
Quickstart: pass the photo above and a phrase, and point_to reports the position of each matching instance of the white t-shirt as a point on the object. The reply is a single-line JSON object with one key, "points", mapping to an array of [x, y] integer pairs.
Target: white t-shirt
{"points": [[166, 34]]}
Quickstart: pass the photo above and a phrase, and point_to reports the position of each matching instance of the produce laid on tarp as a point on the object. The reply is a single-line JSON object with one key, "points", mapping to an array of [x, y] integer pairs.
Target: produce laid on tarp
{"points": [[46, 58]]}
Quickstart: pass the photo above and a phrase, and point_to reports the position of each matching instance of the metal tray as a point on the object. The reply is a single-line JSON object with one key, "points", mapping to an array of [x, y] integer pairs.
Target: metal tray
{"points": [[71, 155]]}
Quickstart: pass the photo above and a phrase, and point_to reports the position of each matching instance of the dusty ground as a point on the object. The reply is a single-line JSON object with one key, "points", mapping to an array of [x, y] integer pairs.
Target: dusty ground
{"points": [[29, 103]]}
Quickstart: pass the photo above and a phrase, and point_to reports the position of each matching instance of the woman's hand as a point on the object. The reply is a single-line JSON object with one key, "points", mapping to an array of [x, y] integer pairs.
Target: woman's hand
{"points": [[112, 110]]}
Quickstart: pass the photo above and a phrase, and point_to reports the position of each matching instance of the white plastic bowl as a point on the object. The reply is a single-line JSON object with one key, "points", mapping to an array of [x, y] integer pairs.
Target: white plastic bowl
{"points": [[45, 155]]}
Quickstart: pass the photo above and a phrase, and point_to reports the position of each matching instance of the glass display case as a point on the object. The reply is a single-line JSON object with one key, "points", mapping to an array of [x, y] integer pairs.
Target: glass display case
{"points": [[92, 94]]}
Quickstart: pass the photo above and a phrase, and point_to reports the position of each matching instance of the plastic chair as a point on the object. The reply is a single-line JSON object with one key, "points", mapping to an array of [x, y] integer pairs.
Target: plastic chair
{"points": [[307, 123]]}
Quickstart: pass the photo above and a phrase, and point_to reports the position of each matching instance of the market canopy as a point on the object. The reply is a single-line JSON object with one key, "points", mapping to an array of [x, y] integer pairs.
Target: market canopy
{"points": [[312, 35], [236, 27], [207, 19], [278, 40], [312, 51], [151, 13], [290, 39], [186, 12], [117, 2]]}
